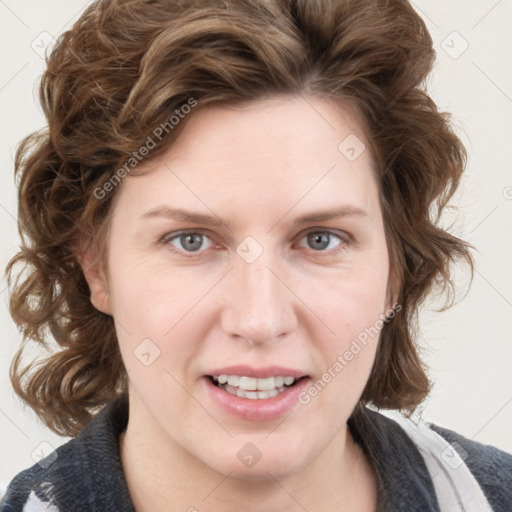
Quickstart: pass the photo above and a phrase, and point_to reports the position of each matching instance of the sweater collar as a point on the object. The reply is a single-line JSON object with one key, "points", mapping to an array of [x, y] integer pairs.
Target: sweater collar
{"points": [[403, 478]]}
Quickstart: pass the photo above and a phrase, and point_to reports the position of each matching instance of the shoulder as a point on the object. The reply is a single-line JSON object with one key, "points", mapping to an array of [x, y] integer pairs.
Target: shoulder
{"points": [[84, 473], [405, 482], [58, 473], [491, 467]]}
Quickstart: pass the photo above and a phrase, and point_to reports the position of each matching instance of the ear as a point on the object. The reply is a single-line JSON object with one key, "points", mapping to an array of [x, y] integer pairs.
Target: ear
{"points": [[96, 279]]}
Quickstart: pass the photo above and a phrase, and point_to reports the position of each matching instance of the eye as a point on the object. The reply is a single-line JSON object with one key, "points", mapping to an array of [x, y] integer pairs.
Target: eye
{"points": [[191, 241], [319, 241]]}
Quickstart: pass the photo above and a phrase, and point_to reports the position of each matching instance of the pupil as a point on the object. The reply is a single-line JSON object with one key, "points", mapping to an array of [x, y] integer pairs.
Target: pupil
{"points": [[194, 238], [321, 238]]}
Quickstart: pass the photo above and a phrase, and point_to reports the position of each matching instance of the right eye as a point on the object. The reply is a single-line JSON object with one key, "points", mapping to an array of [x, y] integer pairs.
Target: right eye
{"points": [[186, 241]]}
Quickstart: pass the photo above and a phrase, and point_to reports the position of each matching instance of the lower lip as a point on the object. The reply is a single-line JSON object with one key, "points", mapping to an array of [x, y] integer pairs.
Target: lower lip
{"points": [[261, 409]]}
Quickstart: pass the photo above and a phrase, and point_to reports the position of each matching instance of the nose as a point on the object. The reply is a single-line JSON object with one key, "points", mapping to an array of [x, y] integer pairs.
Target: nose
{"points": [[259, 305]]}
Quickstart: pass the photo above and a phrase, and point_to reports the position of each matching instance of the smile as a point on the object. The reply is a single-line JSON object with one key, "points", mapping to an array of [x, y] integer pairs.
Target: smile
{"points": [[255, 394], [253, 388]]}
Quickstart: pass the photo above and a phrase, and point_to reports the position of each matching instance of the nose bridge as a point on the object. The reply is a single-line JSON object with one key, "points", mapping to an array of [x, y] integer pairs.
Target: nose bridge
{"points": [[259, 304]]}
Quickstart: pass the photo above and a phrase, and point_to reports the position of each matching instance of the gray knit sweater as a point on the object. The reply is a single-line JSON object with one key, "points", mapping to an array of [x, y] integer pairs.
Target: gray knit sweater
{"points": [[87, 474]]}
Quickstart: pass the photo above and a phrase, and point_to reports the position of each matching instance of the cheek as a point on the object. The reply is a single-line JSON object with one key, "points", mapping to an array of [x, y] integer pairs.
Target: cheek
{"points": [[348, 356], [145, 296], [354, 300], [156, 314], [354, 309]]}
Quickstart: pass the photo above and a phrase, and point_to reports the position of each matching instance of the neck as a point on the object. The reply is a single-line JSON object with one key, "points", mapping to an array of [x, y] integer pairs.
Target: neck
{"points": [[340, 478]]}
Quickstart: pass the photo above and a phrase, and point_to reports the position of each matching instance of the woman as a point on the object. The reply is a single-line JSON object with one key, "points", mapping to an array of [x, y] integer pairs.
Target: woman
{"points": [[228, 225]]}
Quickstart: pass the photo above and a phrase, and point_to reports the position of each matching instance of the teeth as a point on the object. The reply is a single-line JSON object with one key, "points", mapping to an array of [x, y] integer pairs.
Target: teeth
{"points": [[253, 387], [248, 383], [253, 395], [266, 384], [233, 380], [279, 382], [268, 394]]}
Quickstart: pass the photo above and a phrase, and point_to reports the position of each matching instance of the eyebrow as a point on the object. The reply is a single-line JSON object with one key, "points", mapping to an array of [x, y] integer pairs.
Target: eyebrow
{"points": [[184, 215], [212, 220], [323, 215]]}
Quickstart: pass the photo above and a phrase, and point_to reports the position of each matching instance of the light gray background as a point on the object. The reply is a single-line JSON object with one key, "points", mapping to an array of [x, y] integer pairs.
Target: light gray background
{"points": [[469, 348]]}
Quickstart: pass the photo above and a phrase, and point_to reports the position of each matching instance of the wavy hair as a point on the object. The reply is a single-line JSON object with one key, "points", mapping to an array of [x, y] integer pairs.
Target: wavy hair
{"points": [[123, 69]]}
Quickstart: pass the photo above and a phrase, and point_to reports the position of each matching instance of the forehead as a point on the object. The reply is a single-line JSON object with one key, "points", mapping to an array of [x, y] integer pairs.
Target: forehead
{"points": [[286, 127], [281, 150]]}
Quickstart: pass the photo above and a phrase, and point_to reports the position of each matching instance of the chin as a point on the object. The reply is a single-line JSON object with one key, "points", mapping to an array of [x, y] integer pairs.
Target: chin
{"points": [[276, 464], [261, 472]]}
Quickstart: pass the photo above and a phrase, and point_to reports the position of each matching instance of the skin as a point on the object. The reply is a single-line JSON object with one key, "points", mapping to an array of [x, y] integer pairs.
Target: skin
{"points": [[258, 167]]}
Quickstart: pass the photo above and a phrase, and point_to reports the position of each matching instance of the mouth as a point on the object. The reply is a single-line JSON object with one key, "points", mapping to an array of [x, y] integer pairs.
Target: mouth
{"points": [[255, 394], [254, 388]]}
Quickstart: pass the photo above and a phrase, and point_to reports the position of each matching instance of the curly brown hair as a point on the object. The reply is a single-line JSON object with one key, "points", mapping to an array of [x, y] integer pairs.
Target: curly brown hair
{"points": [[123, 68]]}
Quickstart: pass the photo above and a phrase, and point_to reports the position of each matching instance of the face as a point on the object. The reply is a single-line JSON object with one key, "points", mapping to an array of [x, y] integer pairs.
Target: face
{"points": [[253, 251]]}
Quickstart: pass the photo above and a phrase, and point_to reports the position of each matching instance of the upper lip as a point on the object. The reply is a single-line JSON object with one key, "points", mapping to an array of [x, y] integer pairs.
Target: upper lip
{"points": [[262, 372]]}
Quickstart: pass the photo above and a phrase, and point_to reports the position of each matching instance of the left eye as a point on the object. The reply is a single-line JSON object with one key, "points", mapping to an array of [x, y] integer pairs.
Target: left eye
{"points": [[190, 242], [321, 240]]}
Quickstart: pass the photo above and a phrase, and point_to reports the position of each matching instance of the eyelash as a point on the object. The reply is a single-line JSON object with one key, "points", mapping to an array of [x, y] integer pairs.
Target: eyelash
{"points": [[169, 237]]}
